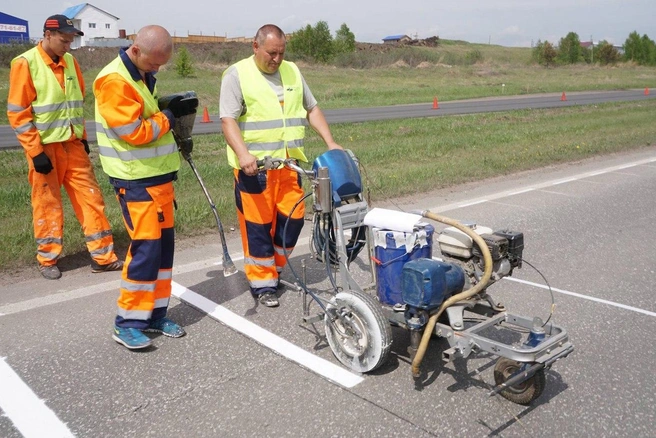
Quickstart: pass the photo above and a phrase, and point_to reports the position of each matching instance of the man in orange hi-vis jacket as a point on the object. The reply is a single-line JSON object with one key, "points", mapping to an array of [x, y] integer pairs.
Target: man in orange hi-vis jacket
{"points": [[138, 152], [45, 109]]}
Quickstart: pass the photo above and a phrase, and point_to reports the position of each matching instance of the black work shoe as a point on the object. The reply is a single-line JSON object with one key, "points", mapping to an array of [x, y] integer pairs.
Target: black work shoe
{"points": [[268, 299], [51, 272], [114, 266]]}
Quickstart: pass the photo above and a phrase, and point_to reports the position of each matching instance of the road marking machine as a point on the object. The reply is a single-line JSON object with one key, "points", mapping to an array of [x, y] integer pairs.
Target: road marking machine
{"points": [[429, 297]]}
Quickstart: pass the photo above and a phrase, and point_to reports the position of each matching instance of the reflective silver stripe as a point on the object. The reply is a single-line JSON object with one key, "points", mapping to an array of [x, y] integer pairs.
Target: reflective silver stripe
{"points": [[108, 132], [292, 144], [102, 251], [156, 130], [138, 154], [41, 109], [77, 120], [259, 262], [98, 235], [125, 129], [48, 255], [164, 275], [137, 287], [15, 108], [266, 146], [48, 240], [257, 126], [296, 121], [52, 125], [161, 302], [142, 315], [281, 251], [25, 127], [263, 283]]}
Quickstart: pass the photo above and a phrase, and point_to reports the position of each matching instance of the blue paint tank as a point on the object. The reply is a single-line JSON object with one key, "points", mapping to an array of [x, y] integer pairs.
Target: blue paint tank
{"points": [[427, 282], [392, 250]]}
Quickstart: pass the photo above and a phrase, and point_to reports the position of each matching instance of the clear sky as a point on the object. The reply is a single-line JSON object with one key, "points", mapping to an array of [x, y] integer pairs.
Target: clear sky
{"points": [[515, 23]]}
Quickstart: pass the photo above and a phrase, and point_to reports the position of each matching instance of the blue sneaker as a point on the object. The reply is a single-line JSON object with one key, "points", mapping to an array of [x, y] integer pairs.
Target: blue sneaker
{"points": [[166, 327], [131, 338]]}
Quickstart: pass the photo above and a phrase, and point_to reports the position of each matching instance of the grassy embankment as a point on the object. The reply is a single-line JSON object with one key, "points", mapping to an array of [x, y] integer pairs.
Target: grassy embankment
{"points": [[400, 156]]}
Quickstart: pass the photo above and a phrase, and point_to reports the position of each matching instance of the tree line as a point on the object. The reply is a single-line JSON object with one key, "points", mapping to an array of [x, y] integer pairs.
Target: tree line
{"points": [[638, 49]]}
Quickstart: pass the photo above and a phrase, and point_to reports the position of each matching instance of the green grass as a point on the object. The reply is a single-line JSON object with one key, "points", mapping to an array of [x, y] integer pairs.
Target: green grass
{"points": [[398, 156]]}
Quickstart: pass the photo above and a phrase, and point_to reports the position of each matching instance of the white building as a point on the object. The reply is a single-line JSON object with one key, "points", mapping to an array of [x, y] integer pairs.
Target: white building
{"points": [[98, 26]]}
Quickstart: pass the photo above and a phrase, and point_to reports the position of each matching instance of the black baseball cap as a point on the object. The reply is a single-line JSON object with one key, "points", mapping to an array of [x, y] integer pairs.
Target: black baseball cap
{"points": [[61, 23]]}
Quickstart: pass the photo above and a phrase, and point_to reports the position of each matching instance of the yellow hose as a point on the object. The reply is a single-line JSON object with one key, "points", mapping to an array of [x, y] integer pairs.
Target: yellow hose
{"points": [[487, 273]]}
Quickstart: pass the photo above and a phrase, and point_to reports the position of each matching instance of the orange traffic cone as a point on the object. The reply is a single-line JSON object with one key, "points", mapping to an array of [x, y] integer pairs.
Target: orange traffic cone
{"points": [[206, 116], [435, 104], [563, 97], [646, 91]]}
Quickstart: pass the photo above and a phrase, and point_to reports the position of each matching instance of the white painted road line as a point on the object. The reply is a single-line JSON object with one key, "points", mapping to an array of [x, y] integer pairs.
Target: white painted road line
{"points": [[27, 412], [585, 297], [281, 346]]}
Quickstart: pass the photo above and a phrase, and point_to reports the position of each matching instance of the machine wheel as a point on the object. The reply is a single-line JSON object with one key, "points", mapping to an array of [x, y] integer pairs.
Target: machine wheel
{"points": [[358, 334], [523, 393]]}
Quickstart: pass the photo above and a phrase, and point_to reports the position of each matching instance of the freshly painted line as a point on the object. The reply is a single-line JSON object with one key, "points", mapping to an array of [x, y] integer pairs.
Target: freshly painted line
{"points": [[469, 204], [585, 297], [274, 342], [563, 181], [521, 191], [25, 410]]}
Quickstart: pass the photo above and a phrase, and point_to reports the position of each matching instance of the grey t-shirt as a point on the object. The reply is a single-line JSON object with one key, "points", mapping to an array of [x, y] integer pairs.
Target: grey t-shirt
{"points": [[231, 101]]}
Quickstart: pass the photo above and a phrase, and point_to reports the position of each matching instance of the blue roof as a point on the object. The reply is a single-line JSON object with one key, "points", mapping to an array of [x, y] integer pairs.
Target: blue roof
{"points": [[74, 10], [394, 37]]}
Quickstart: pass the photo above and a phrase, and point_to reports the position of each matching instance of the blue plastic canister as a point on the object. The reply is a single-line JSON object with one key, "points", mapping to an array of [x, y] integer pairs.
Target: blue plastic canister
{"points": [[427, 282], [343, 171], [392, 250]]}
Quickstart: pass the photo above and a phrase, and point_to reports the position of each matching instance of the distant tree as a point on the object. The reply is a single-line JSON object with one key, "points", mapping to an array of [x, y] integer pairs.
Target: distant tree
{"points": [[606, 53], [313, 42], [544, 53], [184, 65], [344, 40], [633, 48], [300, 42], [649, 50], [324, 50], [569, 49]]}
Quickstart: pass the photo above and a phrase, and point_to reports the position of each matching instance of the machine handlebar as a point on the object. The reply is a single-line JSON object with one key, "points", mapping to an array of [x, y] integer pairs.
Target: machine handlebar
{"points": [[269, 163]]}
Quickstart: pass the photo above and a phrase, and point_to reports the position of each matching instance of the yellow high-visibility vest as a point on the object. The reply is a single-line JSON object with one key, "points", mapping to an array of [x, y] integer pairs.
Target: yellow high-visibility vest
{"points": [[267, 127], [55, 110], [122, 160]]}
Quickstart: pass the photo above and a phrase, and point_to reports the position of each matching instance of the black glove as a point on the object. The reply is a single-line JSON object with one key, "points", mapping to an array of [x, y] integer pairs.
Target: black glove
{"points": [[42, 163], [180, 107], [86, 146]]}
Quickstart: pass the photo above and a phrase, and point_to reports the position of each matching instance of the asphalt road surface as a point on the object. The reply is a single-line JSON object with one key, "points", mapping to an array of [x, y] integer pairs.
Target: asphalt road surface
{"points": [[248, 371], [351, 115]]}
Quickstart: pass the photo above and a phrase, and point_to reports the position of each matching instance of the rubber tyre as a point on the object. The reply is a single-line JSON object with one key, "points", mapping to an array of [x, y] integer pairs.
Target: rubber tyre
{"points": [[365, 343], [525, 392]]}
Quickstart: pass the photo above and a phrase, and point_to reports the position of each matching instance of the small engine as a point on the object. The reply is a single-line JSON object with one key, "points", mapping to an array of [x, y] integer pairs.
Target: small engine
{"points": [[506, 248]]}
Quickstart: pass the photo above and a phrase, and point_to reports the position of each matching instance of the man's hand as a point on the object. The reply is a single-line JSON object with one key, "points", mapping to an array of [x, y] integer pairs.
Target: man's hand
{"points": [[86, 146], [42, 163], [180, 107], [248, 164]]}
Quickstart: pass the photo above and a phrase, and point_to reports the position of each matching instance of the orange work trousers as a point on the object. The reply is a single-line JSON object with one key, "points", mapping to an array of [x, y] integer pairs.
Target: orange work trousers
{"points": [[72, 169], [148, 209], [265, 202]]}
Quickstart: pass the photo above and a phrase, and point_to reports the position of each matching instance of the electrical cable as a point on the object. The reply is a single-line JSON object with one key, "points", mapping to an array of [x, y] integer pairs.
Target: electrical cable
{"points": [[553, 301]]}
